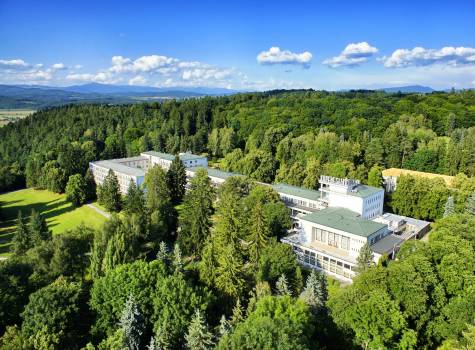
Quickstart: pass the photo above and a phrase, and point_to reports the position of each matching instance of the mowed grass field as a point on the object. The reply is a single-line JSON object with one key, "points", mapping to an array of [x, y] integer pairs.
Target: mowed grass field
{"points": [[11, 115], [59, 214]]}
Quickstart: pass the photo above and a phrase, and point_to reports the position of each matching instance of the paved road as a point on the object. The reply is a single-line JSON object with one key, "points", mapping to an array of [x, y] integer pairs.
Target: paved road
{"points": [[100, 211]]}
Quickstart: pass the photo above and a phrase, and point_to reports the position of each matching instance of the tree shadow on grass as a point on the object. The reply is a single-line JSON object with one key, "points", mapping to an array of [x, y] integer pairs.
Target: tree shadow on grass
{"points": [[49, 210]]}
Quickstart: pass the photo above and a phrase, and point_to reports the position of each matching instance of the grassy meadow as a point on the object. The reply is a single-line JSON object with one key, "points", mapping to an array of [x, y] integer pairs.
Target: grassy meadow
{"points": [[11, 115], [59, 214]]}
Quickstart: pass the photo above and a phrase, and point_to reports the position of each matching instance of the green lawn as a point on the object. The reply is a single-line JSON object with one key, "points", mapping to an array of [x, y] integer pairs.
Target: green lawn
{"points": [[60, 214]]}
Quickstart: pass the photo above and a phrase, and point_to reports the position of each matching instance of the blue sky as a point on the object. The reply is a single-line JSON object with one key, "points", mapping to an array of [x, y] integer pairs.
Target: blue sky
{"points": [[239, 44]]}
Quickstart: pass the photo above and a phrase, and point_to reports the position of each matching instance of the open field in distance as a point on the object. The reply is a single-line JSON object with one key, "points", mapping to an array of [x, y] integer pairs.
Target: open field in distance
{"points": [[11, 115]]}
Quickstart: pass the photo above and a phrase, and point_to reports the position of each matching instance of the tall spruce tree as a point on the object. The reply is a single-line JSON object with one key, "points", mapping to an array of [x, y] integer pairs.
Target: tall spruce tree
{"points": [[163, 254], [198, 336], [132, 324], [195, 218], [315, 293], [238, 314], [282, 286], [470, 204], [177, 259], [449, 207], [38, 227], [365, 258], [134, 202], [90, 186], [159, 204], [22, 240], [110, 196], [176, 180], [258, 233]]}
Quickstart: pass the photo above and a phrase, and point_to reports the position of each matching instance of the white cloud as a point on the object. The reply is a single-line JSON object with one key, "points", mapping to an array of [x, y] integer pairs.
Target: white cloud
{"points": [[138, 80], [419, 56], [277, 56], [142, 64], [354, 54], [206, 73], [77, 66], [100, 77], [13, 64], [58, 66]]}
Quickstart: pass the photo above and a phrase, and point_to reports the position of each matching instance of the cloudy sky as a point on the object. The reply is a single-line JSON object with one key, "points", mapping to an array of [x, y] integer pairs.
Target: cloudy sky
{"points": [[239, 44]]}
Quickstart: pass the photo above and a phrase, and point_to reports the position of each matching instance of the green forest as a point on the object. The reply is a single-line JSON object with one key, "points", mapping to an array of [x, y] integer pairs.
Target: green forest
{"points": [[204, 269]]}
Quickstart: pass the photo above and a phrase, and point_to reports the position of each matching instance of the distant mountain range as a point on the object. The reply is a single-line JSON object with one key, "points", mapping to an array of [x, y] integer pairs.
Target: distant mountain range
{"points": [[39, 96], [409, 89]]}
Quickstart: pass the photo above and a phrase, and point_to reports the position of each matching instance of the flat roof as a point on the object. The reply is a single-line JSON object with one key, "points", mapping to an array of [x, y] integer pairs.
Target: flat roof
{"points": [[386, 244], [297, 191], [412, 221], [344, 220], [215, 172], [128, 159], [396, 172], [120, 168], [364, 191], [168, 156]]}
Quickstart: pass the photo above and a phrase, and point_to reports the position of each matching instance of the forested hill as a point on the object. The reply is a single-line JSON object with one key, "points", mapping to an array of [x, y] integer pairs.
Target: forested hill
{"points": [[289, 136]]}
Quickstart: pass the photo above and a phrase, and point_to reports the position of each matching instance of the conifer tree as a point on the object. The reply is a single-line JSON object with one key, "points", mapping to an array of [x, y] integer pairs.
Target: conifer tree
{"points": [[449, 207], [134, 202], [159, 204], [223, 327], [177, 259], [163, 253], [298, 281], [90, 186], [198, 336], [132, 324], [470, 204], [110, 193], [315, 293], [163, 338], [238, 314], [282, 286], [38, 227], [259, 232], [176, 180], [365, 258], [21, 241], [195, 218], [115, 253]]}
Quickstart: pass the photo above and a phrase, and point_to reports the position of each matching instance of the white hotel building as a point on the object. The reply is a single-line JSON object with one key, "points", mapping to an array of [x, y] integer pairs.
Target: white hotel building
{"points": [[330, 224]]}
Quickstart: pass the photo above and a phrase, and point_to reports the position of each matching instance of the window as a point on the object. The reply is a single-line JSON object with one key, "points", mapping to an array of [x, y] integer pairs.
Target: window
{"points": [[345, 243], [332, 239]]}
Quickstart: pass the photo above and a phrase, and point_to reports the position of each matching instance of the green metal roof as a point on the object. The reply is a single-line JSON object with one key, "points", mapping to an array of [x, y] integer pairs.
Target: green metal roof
{"points": [[168, 156], [344, 220], [364, 191], [215, 172], [297, 191], [120, 168]]}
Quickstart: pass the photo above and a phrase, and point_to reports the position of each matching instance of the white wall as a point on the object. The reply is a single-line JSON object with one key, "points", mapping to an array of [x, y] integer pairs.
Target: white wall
{"points": [[347, 201]]}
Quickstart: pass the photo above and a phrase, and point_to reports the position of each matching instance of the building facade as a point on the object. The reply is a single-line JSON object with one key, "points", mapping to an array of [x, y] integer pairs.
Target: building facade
{"points": [[125, 174], [331, 224]]}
